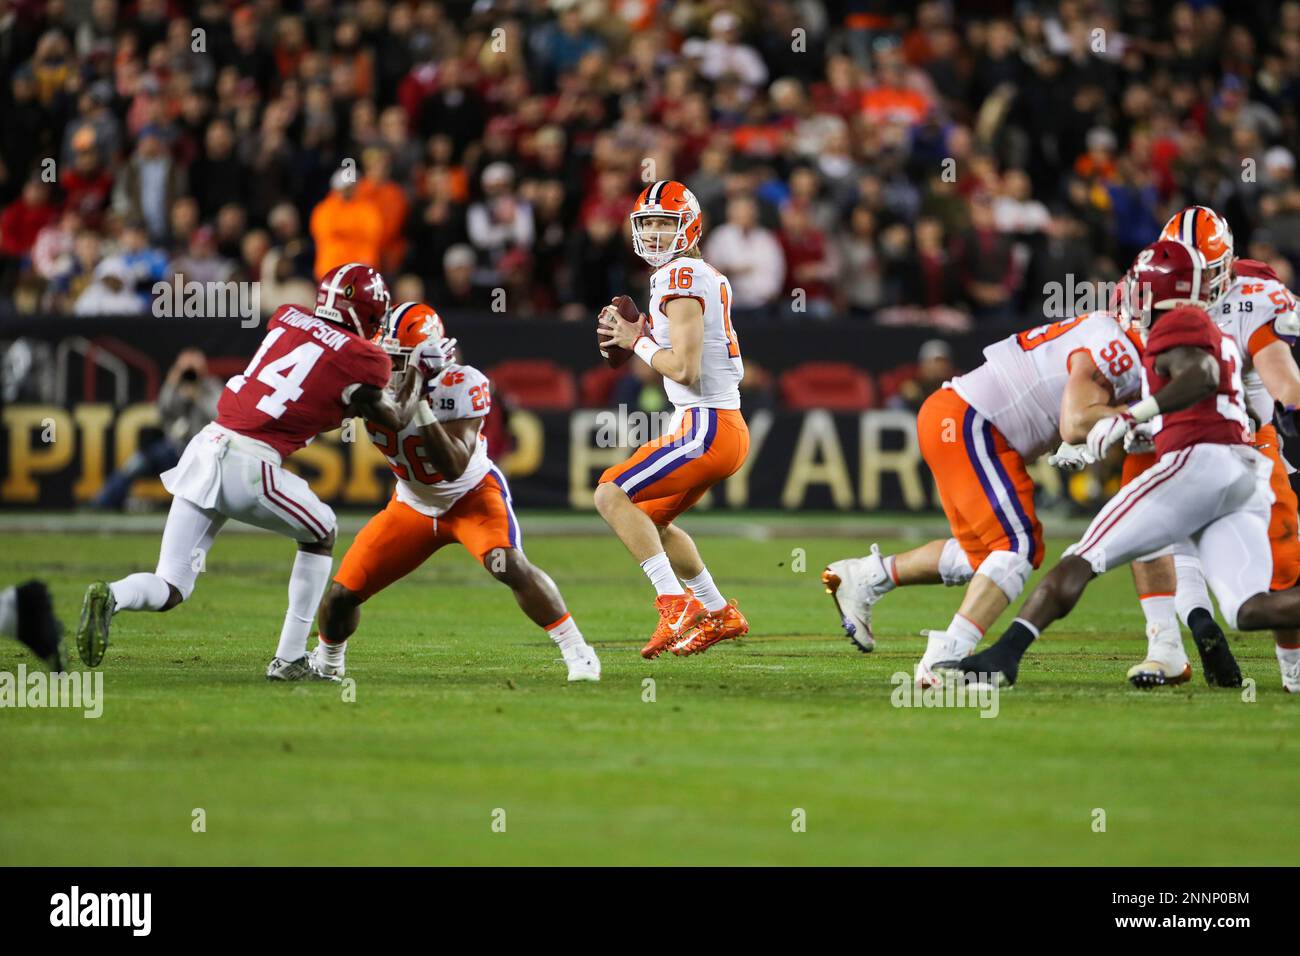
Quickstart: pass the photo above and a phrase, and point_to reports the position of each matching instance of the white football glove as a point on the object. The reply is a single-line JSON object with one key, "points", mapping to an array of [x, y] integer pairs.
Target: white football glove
{"points": [[1106, 433], [433, 355], [1140, 440], [1071, 457]]}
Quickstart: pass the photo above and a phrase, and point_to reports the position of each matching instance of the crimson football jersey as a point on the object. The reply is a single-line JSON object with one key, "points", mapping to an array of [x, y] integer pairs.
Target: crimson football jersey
{"points": [[1220, 418], [300, 381]]}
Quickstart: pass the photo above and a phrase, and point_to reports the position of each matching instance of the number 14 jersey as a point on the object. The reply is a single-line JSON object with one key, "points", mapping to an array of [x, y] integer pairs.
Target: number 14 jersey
{"points": [[300, 381], [1020, 385]]}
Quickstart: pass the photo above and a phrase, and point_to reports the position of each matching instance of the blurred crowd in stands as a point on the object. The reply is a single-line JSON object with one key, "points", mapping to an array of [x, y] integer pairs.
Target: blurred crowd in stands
{"points": [[897, 162]]}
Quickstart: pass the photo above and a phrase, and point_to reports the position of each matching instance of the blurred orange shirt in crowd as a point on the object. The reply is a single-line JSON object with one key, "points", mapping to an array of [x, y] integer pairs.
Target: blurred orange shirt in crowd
{"points": [[346, 230], [388, 198]]}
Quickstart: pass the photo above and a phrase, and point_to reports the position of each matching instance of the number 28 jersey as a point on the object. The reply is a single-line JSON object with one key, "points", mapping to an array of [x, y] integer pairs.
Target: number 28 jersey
{"points": [[300, 381], [721, 368], [1020, 385], [461, 391]]}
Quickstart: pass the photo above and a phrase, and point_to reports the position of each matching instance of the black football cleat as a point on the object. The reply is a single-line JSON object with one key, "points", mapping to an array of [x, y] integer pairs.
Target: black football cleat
{"points": [[1217, 661], [38, 628], [996, 665]]}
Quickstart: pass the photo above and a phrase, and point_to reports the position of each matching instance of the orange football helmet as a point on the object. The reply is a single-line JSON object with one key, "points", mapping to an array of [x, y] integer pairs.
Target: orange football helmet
{"points": [[666, 198], [1205, 230], [408, 325]]}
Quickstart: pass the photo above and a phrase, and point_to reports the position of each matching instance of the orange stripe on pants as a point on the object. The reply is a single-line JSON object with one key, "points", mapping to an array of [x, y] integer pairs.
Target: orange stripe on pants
{"points": [[985, 489]]}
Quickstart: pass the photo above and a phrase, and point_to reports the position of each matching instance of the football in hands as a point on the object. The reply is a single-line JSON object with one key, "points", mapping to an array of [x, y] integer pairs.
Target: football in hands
{"points": [[616, 355]]}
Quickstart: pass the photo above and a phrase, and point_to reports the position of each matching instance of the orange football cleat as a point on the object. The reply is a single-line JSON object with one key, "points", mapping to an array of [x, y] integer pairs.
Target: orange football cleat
{"points": [[711, 627], [676, 613]]}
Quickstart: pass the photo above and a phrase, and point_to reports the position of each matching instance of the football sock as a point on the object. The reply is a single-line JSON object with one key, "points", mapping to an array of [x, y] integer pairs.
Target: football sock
{"points": [[706, 591], [660, 572], [311, 572], [884, 576], [331, 653], [140, 592], [1019, 636], [1162, 618], [9, 612], [1287, 658], [566, 635], [965, 632], [1191, 593]]}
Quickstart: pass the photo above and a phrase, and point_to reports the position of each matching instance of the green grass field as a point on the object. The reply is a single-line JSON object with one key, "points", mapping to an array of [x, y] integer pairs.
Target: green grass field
{"points": [[462, 709]]}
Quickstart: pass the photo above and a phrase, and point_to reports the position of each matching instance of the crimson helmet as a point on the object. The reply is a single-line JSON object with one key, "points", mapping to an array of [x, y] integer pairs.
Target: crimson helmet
{"points": [[1165, 275], [408, 325], [668, 199], [354, 296]]}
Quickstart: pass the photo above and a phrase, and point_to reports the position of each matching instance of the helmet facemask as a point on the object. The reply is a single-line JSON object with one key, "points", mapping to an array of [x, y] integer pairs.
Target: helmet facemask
{"points": [[644, 227]]}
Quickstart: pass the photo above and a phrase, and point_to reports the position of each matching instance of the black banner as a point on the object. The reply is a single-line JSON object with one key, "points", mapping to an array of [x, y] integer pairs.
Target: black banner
{"points": [[85, 405]]}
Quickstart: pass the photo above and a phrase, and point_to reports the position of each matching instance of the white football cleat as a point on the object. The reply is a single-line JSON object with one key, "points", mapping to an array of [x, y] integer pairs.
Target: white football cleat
{"points": [[1166, 663], [855, 584], [939, 646], [319, 663], [1290, 675], [301, 669], [584, 665]]}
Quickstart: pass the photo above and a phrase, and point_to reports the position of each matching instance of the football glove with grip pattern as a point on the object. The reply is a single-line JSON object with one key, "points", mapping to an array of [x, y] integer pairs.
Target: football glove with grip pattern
{"points": [[1107, 432]]}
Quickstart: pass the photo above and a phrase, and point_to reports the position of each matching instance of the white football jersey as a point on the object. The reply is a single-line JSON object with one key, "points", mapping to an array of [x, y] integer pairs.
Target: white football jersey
{"points": [[720, 366], [1020, 385], [461, 392], [1255, 313]]}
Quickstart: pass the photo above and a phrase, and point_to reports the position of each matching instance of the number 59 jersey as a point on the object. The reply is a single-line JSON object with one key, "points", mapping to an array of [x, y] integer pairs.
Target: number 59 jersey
{"points": [[300, 381], [461, 391], [1020, 385], [721, 368]]}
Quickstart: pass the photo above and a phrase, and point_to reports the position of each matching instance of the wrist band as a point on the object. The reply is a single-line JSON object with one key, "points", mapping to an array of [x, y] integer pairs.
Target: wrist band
{"points": [[1145, 410], [423, 414], [645, 348]]}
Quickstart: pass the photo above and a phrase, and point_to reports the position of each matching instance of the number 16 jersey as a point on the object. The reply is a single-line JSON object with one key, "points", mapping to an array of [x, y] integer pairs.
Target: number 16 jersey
{"points": [[1020, 385], [721, 367]]}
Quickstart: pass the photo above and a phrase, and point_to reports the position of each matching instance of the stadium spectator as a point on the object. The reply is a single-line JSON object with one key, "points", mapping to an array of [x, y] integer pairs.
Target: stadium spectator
{"points": [[218, 176], [988, 269], [750, 256], [499, 223], [202, 262], [150, 184], [20, 223], [377, 188], [934, 366], [187, 402], [344, 226], [456, 290], [110, 291], [723, 55], [810, 264], [861, 279], [87, 184]]}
